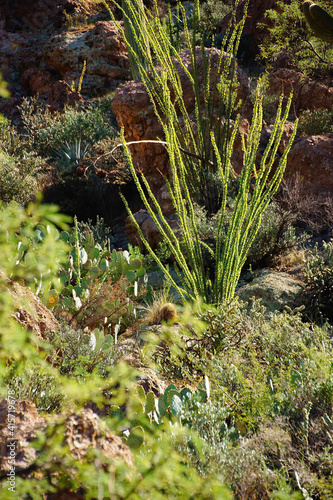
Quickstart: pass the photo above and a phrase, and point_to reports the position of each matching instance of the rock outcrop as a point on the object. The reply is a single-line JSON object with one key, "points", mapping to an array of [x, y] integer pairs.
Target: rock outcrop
{"points": [[311, 158], [84, 431], [100, 46], [307, 92], [32, 62], [30, 312], [275, 289]]}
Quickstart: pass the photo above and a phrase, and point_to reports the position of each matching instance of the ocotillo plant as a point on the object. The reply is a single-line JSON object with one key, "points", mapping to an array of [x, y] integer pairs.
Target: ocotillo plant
{"points": [[256, 189], [319, 21], [135, 53], [203, 175], [213, 104]]}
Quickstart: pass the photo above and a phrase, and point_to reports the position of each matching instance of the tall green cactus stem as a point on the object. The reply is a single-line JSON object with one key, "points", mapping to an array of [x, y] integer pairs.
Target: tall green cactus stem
{"points": [[135, 29], [319, 21]]}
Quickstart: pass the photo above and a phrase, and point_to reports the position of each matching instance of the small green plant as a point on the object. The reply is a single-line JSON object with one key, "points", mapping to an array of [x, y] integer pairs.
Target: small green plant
{"points": [[316, 122], [69, 156], [318, 274], [75, 127], [79, 87]]}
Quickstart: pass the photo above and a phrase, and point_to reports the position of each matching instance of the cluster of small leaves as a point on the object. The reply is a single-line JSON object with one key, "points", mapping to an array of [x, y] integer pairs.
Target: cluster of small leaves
{"points": [[288, 36], [319, 281], [316, 122]]}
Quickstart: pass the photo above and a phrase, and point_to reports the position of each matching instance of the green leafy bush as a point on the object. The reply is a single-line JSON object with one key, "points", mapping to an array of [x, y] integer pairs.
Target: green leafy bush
{"points": [[316, 122], [18, 177], [318, 274], [47, 132], [78, 353], [20, 168]]}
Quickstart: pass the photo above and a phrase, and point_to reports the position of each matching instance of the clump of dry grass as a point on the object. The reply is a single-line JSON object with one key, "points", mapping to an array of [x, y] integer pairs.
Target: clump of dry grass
{"points": [[161, 310]]}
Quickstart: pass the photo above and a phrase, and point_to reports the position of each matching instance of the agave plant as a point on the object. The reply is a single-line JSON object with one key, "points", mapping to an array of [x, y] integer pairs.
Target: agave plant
{"points": [[70, 155]]}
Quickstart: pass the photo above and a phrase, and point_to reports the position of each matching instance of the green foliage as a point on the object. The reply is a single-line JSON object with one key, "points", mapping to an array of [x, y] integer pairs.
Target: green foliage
{"points": [[79, 354], [288, 36], [20, 168], [319, 281], [211, 13], [69, 156], [47, 132], [316, 122], [135, 27], [19, 177], [3, 88]]}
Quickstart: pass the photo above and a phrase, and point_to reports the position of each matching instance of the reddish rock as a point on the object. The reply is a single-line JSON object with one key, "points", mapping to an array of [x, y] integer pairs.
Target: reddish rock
{"points": [[307, 93], [83, 432], [101, 47], [27, 422], [30, 312], [62, 95], [312, 158], [37, 81], [34, 15], [148, 228], [87, 430]]}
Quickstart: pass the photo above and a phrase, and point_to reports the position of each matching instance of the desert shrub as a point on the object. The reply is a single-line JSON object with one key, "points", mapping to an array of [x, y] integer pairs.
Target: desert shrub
{"points": [[18, 177], [318, 274], [20, 168], [47, 132], [39, 386], [316, 122], [75, 354]]}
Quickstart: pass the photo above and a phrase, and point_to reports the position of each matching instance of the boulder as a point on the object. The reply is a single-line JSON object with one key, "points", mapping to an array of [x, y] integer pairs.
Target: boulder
{"points": [[62, 95], [148, 228], [310, 158], [27, 422], [83, 432], [307, 93], [100, 46], [29, 310], [87, 430], [275, 289]]}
